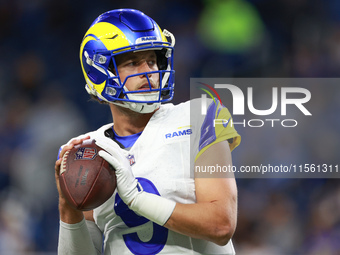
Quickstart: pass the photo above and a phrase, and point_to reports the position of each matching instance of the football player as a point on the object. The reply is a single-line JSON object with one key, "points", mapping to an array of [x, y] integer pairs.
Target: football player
{"points": [[160, 206]]}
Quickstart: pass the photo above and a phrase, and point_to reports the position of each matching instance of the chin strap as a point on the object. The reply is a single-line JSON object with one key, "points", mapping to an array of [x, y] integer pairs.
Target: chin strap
{"points": [[140, 107], [137, 107]]}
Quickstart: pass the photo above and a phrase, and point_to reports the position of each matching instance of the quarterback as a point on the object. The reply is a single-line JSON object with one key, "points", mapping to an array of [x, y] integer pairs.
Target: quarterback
{"points": [[160, 205]]}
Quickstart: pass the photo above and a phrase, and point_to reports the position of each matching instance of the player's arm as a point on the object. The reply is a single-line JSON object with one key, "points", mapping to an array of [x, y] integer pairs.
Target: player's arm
{"points": [[213, 217], [78, 234]]}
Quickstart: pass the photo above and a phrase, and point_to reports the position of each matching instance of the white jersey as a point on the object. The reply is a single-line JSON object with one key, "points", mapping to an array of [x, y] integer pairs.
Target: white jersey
{"points": [[162, 159]]}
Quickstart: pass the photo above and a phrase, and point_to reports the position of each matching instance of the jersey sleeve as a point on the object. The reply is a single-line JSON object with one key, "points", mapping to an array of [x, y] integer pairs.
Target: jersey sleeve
{"points": [[217, 126]]}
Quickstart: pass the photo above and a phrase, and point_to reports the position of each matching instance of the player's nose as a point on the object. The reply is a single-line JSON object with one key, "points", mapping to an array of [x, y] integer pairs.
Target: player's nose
{"points": [[144, 68]]}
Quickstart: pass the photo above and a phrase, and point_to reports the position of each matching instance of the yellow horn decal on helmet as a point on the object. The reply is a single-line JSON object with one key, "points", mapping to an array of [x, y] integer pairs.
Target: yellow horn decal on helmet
{"points": [[83, 43], [110, 35], [97, 87]]}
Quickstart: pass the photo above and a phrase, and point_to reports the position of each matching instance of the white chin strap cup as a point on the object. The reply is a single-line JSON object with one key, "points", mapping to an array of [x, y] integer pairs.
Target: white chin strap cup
{"points": [[141, 107]]}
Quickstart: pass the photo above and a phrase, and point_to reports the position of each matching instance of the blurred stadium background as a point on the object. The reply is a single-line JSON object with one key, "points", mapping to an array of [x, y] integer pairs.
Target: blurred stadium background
{"points": [[43, 103]]}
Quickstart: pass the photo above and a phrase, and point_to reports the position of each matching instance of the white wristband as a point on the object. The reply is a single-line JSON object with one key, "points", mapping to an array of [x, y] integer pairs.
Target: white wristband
{"points": [[155, 208]]}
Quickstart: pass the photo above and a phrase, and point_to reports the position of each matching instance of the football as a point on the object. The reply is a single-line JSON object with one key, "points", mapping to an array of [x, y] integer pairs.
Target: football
{"points": [[86, 179]]}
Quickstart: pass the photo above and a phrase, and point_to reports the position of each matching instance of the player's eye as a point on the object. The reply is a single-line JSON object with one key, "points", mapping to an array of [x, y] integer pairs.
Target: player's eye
{"points": [[152, 63], [131, 63]]}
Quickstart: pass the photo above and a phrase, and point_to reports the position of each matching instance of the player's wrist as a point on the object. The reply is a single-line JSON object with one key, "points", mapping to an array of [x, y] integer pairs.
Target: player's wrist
{"points": [[153, 207], [68, 214]]}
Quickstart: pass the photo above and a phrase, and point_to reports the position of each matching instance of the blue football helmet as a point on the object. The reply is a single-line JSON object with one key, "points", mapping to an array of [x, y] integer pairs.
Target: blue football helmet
{"points": [[118, 32]]}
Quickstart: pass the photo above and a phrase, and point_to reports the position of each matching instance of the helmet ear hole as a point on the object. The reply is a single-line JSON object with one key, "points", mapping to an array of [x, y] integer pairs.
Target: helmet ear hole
{"points": [[162, 61], [111, 67]]}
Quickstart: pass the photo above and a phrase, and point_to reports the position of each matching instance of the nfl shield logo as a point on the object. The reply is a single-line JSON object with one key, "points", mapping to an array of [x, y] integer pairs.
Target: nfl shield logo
{"points": [[86, 153], [131, 159]]}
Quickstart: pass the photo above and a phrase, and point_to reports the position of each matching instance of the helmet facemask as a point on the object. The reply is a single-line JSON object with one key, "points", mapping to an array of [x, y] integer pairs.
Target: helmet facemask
{"points": [[149, 98]]}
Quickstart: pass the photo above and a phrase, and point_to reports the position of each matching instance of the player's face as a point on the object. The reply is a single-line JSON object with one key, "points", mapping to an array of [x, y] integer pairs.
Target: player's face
{"points": [[139, 62]]}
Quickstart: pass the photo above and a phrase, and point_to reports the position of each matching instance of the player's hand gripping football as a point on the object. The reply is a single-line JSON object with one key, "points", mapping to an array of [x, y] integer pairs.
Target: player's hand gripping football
{"points": [[151, 206], [127, 185], [61, 154], [67, 213]]}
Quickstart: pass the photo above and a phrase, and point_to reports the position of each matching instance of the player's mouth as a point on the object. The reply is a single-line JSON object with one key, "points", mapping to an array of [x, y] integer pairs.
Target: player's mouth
{"points": [[146, 86]]}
